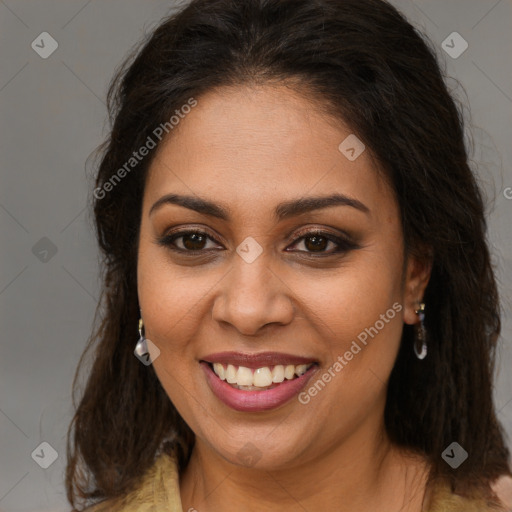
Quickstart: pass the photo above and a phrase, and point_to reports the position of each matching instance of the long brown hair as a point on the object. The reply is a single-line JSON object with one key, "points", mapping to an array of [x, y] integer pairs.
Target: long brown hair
{"points": [[372, 69]]}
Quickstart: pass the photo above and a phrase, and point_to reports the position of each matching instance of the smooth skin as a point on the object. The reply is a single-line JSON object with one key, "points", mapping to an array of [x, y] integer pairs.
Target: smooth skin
{"points": [[249, 149]]}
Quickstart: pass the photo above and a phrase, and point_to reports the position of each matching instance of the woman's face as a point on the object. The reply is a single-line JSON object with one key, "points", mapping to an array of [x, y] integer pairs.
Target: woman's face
{"points": [[260, 282]]}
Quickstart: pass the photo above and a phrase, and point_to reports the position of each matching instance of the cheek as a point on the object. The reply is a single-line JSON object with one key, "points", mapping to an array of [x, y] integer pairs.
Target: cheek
{"points": [[361, 326], [176, 299], [355, 298], [171, 296], [362, 332]]}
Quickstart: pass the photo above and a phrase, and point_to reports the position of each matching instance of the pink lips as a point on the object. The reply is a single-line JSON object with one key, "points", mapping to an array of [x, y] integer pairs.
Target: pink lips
{"points": [[256, 401]]}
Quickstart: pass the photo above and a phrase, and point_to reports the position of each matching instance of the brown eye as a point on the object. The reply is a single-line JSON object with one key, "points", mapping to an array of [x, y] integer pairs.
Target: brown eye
{"points": [[316, 243], [191, 241]]}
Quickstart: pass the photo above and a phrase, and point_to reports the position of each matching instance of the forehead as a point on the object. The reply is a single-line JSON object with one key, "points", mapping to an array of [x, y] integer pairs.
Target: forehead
{"points": [[258, 146]]}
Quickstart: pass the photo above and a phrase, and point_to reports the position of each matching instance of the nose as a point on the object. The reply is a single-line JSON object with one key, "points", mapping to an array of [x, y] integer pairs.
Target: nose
{"points": [[252, 296]]}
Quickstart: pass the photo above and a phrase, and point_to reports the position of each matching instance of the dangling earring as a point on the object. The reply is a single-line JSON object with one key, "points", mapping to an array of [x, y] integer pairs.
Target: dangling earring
{"points": [[145, 350], [142, 347], [420, 343]]}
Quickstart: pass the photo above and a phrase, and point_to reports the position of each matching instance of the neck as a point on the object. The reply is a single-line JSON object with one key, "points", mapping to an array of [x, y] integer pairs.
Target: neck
{"points": [[356, 475]]}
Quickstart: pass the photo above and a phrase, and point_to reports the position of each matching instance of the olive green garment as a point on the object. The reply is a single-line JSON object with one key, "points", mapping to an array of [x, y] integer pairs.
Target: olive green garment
{"points": [[159, 491]]}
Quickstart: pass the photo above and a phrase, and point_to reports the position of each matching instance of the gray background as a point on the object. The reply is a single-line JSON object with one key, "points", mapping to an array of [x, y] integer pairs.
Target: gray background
{"points": [[53, 116]]}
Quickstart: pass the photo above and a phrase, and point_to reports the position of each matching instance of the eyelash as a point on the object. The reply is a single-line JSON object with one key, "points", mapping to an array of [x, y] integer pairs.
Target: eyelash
{"points": [[344, 245]]}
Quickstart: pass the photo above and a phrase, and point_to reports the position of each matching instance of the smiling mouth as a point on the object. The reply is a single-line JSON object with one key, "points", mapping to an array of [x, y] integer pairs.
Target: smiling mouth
{"points": [[258, 379]]}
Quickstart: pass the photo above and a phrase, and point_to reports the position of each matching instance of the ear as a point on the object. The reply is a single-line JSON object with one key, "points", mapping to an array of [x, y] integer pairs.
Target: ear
{"points": [[417, 276]]}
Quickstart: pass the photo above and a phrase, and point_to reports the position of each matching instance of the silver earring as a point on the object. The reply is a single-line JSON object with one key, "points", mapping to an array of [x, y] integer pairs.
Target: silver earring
{"points": [[142, 347], [420, 342]]}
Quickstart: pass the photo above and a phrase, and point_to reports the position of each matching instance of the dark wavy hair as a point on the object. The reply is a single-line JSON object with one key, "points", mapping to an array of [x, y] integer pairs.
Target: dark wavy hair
{"points": [[369, 67]]}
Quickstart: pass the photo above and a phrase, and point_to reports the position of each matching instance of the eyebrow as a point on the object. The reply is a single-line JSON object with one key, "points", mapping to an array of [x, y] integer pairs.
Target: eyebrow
{"points": [[282, 211]]}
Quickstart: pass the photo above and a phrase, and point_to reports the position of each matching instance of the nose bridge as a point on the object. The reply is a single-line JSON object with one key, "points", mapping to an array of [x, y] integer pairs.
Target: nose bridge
{"points": [[251, 279], [252, 296]]}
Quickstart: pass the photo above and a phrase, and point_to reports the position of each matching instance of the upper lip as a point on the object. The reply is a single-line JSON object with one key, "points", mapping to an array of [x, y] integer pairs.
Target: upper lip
{"points": [[258, 360]]}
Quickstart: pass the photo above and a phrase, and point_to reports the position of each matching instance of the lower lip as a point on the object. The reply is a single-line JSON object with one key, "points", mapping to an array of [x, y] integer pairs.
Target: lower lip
{"points": [[256, 401]]}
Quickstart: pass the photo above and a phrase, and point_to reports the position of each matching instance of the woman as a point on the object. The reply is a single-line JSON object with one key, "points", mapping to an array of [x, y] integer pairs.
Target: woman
{"points": [[295, 249]]}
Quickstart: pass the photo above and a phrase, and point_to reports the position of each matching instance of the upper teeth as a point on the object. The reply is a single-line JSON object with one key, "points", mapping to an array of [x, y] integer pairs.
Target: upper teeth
{"points": [[260, 377]]}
